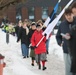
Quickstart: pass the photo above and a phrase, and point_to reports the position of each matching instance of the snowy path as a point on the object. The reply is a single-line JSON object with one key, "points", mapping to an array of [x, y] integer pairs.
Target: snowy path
{"points": [[16, 65]]}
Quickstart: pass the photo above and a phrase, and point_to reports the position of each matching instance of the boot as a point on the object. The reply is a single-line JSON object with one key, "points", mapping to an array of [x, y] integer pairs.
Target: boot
{"points": [[32, 63], [44, 68], [39, 66], [24, 57], [47, 52]]}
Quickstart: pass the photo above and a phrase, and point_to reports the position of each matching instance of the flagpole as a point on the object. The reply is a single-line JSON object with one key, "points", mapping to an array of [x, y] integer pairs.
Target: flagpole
{"points": [[40, 41], [54, 22], [59, 1]]}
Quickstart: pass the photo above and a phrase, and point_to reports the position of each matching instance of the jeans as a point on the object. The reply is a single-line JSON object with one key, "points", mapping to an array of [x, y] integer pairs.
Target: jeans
{"points": [[47, 44], [67, 60], [25, 50]]}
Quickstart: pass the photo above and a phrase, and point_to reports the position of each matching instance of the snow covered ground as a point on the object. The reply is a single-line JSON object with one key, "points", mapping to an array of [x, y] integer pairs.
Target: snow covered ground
{"points": [[16, 65]]}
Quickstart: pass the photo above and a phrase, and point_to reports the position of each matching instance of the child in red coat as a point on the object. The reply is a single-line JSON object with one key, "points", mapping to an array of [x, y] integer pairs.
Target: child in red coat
{"points": [[40, 51]]}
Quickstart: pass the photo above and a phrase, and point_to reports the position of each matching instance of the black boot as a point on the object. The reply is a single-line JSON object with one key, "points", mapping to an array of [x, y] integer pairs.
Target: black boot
{"points": [[27, 56], [44, 68], [39, 66], [24, 56], [47, 52], [32, 64]]}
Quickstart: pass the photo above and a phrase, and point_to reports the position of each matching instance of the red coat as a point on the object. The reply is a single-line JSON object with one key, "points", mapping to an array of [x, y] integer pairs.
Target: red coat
{"points": [[34, 41]]}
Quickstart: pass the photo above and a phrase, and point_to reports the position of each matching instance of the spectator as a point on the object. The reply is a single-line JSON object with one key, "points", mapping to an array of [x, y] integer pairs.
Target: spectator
{"points": [[18, 27], [62, 38]]}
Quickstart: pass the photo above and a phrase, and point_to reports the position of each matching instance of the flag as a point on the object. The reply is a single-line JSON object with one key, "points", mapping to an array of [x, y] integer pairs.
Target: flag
{"points": [[52, 15], [50, 27]]}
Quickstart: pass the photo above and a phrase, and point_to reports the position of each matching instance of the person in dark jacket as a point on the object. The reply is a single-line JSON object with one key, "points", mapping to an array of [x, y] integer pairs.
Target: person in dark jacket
{"points": [[72, 41], [18, 27], [31, 31], [72, 48], [23, 36], [63, 36]]}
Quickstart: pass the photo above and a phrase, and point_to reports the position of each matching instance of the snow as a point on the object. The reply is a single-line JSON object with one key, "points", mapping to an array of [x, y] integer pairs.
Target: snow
{"points": [[16, 65]]}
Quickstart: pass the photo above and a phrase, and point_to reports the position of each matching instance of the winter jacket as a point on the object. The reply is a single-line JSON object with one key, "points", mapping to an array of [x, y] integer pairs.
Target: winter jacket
{"points": [[36, 37], [17, 28], [72, 48], [72, 43], [30, 34], [64, 28], [32, 52], [23, 36]]}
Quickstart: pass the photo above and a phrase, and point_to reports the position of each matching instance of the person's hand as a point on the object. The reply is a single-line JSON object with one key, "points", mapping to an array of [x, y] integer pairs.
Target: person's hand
{"points": [[33, 47], [67, 36], [45, 34], [61, 44], [17, 41]]}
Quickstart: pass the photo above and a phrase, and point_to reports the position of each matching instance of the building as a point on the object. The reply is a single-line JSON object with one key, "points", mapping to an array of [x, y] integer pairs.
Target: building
{"points": [[33, 10]]}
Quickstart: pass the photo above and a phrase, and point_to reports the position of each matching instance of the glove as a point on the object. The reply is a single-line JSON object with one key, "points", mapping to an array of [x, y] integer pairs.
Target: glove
{"points": [[33, 47], [45, 34]]}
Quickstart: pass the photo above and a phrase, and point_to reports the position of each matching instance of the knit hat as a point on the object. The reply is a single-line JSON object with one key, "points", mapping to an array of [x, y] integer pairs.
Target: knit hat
{"points": [[33, 23]]}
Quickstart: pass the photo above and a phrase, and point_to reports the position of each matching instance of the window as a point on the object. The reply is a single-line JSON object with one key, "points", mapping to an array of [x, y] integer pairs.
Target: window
{"points": [[44, 12], [18, 15], [31, 13]]}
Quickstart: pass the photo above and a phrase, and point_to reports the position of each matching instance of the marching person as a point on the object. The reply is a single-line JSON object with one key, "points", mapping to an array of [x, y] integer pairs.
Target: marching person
{"points": [[23, 36], [40, 22], [40, 51], [18, 27], [31, 31]]}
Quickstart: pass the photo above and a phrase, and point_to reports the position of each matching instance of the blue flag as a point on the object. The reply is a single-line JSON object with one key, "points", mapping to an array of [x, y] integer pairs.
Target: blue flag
{"points": [[52, 15]]}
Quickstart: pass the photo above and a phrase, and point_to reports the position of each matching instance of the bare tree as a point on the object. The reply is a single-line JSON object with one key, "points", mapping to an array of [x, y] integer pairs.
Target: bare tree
{"points": [[4, 4]]}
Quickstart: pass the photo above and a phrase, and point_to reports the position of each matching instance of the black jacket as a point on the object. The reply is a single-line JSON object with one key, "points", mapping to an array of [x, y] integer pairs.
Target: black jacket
{"points": [[64, 27], [30, 34], [23, 37], [17, 28], [72, 48]]}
